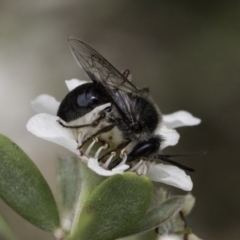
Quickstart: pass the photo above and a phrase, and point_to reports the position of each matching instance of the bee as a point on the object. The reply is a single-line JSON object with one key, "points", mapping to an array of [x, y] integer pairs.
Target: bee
{"points": [[132, 112]]}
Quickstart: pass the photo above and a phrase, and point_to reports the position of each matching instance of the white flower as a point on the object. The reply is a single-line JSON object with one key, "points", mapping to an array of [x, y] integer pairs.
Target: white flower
{"points": [[170, 237], [45, 125], [179, 237], [170, 175]]}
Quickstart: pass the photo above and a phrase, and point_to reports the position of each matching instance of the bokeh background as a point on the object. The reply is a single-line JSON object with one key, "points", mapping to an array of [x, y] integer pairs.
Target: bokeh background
{"points": [[186, 52]]}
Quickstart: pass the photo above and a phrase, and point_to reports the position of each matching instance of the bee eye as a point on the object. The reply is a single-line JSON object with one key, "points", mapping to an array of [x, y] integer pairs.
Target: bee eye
{"points": [[94, 100], [82, 100]]}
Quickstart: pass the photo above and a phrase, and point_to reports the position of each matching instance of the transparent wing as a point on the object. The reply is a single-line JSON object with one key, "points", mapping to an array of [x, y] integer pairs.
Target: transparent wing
{"points": [[116, 85]]}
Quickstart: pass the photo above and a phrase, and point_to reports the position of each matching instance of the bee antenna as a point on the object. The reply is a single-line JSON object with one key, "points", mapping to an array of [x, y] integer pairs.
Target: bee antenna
{"points": [[165, 159], [192, 154]]}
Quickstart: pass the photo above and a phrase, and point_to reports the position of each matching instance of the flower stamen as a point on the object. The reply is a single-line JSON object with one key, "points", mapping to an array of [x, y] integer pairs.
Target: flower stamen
{"points": [[105, 146], [136, 166], [95, 139], [105, 165], [142, 169], [79, 139], [123, 155]]}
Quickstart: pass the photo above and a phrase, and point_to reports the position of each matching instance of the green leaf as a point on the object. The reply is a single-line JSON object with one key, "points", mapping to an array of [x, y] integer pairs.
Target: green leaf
{"points": [[114, 207], [5, 231], [89, 182], [158, 215], [68, 181], [150, 235], [24, 189]]}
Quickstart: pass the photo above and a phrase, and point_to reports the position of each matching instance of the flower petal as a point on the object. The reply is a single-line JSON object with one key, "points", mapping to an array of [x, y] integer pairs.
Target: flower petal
{"points": [[170, 175], [180, 119], [170, 136], [94, 165], [45, 126], [193, 237], [120, 168], [188, 204], [45, 104], [73, 83], [171, 237], [178, 237]]}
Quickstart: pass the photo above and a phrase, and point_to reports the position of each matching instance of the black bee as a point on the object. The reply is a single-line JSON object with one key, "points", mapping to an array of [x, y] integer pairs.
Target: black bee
{"points": [[132, 111]]}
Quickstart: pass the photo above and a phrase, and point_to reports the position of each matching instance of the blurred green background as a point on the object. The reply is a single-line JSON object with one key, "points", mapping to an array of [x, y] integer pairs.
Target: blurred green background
{"points": [[186, 52]]}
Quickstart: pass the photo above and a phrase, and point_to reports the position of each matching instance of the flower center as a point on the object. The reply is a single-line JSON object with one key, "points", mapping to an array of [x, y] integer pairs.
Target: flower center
{"points": [[95, 149]]}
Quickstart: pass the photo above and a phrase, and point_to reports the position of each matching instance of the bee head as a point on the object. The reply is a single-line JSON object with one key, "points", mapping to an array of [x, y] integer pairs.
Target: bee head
{"points": [[137, 128]]}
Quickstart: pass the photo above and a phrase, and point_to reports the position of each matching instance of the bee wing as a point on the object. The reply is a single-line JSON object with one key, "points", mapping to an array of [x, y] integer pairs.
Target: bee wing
{"points": [[99, 70]]}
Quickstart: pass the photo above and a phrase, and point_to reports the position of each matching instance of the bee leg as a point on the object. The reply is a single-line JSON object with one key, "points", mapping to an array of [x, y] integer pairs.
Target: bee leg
{"points": [[94, 123], [103, 130]]}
